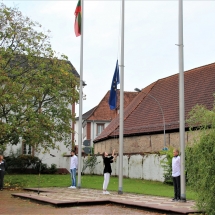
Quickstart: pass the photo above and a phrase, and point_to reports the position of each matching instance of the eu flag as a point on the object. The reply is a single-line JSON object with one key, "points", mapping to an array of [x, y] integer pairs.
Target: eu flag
{"points": [[113, 89]]}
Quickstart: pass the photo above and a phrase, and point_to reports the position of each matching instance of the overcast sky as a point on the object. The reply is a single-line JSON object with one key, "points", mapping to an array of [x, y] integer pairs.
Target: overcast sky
{"points": [[151, 32]]}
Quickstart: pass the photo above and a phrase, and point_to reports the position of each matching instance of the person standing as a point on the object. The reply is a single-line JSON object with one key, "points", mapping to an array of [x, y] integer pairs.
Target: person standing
{"points": [[176, 172], [2, 171], [73, 168], [107, 170]]}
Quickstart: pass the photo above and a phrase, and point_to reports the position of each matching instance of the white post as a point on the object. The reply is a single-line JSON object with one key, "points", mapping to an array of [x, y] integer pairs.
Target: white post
{"points": [[181, 101], [80, 97], [121, 113]]}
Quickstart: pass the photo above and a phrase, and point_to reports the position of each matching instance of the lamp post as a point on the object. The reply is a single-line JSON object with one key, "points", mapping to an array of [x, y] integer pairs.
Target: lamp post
{"points": [[164, 128]]}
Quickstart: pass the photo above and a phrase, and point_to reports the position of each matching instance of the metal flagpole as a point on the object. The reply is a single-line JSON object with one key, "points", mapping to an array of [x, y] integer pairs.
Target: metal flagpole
{"points": [[181, 100], [80, 97], [121, 113]]}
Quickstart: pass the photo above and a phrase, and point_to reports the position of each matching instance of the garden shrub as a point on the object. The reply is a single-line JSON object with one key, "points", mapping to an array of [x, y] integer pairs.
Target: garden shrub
{"points": [[166, 163], [28, 163], [44, 169], [200, 165], [200, 157], [20, 163], [90, 162]]}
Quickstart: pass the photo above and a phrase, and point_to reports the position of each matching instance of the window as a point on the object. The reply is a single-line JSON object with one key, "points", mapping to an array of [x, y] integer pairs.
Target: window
{"points": [[84, 131], [27, 149], [100, 128]]}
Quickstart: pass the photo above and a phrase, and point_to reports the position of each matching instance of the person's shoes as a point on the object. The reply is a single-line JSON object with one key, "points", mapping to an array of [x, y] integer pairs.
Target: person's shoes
{"points": [[106, 192], [174, 199], [73, 187], [70, 187], [1, 189]]}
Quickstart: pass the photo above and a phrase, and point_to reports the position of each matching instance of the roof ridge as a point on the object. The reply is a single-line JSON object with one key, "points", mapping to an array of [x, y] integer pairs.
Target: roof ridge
{"points": [[200, 67], [210, 64]]}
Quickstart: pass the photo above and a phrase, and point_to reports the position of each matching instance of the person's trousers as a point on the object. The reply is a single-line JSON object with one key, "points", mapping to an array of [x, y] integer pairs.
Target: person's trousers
{"points": [[177, 188], [1, 179], [73, 176], [106, 180]]}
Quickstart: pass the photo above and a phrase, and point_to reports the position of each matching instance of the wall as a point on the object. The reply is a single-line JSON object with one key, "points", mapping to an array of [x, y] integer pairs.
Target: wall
{"points": [[142, 144], [135, 166], [59, 160]]}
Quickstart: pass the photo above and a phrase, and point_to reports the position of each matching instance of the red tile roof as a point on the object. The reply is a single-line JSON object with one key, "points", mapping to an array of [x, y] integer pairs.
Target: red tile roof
{"points": [[143, 115], [102, 111], [86, 114]]}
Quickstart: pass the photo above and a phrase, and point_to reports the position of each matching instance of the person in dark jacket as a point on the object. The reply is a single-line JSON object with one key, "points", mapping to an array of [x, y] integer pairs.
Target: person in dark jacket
{"points": [[2, 171], [107, 170]]}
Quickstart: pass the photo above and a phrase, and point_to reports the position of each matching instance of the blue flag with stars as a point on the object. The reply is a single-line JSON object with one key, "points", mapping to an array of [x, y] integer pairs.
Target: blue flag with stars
{"points": [[113, 89]]}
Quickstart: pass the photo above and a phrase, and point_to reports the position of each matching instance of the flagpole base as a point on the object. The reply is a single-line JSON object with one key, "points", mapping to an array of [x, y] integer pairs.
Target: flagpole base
{"points": [[120, 191]]}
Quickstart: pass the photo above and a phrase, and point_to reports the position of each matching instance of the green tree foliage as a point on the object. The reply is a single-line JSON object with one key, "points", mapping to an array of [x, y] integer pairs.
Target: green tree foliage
{"points": [[200, 158], [166, 163], [37, 87]]}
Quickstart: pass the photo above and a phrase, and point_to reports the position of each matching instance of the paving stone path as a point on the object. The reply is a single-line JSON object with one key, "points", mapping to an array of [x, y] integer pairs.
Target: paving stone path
{"points": [[69, 197]]}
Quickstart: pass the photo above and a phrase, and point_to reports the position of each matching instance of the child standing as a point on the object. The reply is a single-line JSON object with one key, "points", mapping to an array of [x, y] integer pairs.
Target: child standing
{"points": [[107, 170], [176, 172], [73, 168]]}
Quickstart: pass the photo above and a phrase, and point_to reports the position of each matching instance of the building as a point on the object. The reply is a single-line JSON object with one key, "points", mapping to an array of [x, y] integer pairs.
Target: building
{"points": [[151, 120], [99, 117]]}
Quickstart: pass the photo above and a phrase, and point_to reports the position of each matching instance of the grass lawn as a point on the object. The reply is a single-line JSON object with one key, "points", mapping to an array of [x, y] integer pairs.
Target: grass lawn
{"points": [[94, 182]]}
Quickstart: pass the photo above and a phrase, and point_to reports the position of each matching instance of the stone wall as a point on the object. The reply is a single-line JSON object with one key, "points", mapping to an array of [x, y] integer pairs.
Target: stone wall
{"points": [[145, 143], [138, 166]]}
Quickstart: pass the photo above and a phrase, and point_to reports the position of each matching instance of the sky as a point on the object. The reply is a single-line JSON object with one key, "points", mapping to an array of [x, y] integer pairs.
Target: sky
{"points": [[151, 35]]}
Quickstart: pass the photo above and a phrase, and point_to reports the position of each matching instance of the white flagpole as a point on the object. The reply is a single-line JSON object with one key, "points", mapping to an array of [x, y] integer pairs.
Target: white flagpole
{"points": [[121, 116], [181, 100], [80, 97]]}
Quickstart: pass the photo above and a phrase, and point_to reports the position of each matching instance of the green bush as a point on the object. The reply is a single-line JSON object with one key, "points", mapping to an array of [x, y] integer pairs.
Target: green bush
{"points": [[200, 165], [90, 162], [20, 163], [52, 169], [26, 163], [200, 157], [44, 169], [166, 163]]}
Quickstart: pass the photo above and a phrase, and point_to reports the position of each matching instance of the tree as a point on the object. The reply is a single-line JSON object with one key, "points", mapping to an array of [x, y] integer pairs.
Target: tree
{"points": [[37, 86], [200, 157]]}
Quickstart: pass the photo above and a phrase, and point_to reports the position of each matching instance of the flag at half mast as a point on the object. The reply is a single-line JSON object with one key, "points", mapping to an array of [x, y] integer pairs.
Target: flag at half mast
{"points": [[77, 25], [113, 90]]}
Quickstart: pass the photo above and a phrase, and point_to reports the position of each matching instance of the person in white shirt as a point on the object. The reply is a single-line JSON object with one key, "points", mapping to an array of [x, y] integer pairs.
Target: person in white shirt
{"points": [[176, 172], [73, 168]]}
